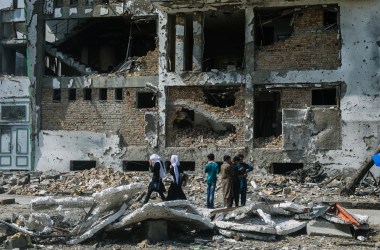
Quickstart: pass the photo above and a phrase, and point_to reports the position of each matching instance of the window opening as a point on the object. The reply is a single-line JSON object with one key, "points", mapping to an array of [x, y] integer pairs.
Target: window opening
{"points": [[324, 96], [185, 165], [222, 97], [13, 112], [118, 94], [274, 24], [330, 18], [87, 94], [268, 114], [188, 43], [135, 166], [59, 3], [184, 118], [285, 168], [72, 94], [57, 95], [102, 94], [224, 40], [146, 100], [171, 43], [101, 45], [82, 165]]}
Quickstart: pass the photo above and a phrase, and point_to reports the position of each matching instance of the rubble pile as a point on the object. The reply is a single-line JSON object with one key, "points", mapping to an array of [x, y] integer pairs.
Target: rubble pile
{"points": [[201, 136], [269, 142], [72, 208]]}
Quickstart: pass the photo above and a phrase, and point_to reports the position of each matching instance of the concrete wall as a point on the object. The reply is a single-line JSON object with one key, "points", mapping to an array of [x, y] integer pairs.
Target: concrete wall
{"points": [[14, 87], [310, 46]]}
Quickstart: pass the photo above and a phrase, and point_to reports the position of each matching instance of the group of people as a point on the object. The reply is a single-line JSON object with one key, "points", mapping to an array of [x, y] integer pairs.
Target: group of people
{"points": [[234, 173], [157, 166]]}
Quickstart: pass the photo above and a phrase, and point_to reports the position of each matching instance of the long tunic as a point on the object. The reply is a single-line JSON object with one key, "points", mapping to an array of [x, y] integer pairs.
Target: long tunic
{"points": [[227, 180]]}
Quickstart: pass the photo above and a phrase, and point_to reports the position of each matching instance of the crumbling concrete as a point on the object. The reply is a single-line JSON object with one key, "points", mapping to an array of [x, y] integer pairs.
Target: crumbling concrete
{"points": [[325, 228], [178, 211]]}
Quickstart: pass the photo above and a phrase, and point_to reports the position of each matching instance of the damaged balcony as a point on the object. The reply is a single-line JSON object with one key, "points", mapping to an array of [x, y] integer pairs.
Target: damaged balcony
{"points": [[119, 46], [209, 115], [298, 38]]}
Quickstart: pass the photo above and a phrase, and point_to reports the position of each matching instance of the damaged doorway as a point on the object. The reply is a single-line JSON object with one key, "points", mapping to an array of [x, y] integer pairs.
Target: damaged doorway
{"points": [[267, 115]]}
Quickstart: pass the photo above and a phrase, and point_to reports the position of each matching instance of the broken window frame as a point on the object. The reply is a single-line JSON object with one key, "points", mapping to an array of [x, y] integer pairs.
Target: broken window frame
{"points": [[83, 165], [171, 36], [277, 115], [239, 64], [153, 101], [57, 95], [187, 121], [87, 94], [291, 166], [72, 95], [132, 166], [260, 22], [118, 94], [211, 95], [336, 103], [102, 94], [332, 9]]}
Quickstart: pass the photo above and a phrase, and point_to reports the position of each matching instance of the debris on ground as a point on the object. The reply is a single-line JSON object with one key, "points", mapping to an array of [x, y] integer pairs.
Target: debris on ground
{"points": [[77, 207]]}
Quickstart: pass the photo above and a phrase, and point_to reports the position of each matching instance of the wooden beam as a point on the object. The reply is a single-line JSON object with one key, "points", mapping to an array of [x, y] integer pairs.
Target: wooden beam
{"points": [[358, 176]]}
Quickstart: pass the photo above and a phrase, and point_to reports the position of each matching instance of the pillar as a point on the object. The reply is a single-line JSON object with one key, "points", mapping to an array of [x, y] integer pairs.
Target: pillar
{"points": [[179, 43], [198, 41]]}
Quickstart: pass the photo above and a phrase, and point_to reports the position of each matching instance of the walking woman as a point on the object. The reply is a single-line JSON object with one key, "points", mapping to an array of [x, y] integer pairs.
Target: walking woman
{"points": [[175, 190], [158, 169]]}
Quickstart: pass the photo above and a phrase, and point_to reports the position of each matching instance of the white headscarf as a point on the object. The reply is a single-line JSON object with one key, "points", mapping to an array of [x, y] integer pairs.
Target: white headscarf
{"points": [[156, 158], [174, 160]]}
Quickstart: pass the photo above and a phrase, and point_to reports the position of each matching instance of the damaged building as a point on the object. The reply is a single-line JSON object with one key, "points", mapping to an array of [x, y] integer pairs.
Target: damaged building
{"points": [[89, 83]]}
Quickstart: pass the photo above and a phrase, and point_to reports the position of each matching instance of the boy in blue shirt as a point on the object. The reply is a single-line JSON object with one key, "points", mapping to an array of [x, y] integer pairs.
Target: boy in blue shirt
{"points": [[212, 169]]}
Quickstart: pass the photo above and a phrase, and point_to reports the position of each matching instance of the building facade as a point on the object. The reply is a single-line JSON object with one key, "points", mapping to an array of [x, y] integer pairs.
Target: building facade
{"points": [[287, 83]]}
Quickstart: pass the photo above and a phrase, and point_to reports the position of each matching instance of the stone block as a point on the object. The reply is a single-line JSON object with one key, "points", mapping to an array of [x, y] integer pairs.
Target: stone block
{"points": [[7, 201], [18, 240], [156, 230], [325, 228], [3, 230]]}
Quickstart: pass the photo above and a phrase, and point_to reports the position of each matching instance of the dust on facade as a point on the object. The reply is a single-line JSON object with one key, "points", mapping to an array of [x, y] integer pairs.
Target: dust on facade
{"points": [[108, 82]]}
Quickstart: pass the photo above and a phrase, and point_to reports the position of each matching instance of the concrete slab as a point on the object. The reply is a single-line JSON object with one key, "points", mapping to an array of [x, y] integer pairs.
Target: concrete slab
{"points": [[325, 228], [180, 211], [20, 199], [373, 215]]}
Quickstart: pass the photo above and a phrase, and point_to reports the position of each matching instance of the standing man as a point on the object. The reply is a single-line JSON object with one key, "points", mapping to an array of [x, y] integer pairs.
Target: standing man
{"points": [[244, 168], [212, 169], [227, 181], [236, 180]]}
